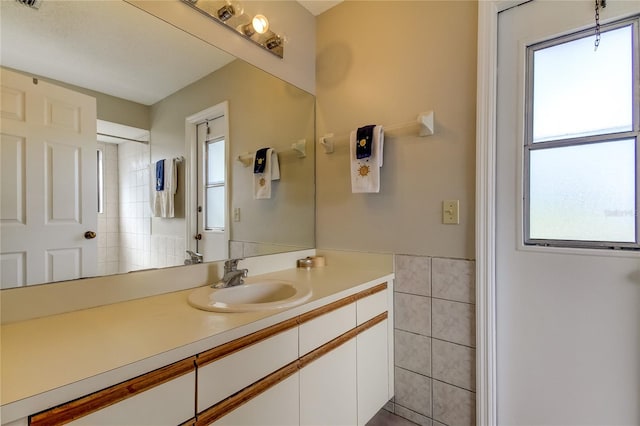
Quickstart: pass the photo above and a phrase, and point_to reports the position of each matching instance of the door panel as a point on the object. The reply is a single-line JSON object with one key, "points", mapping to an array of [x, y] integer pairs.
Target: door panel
{"points": [[48, 158], [568, 330]]}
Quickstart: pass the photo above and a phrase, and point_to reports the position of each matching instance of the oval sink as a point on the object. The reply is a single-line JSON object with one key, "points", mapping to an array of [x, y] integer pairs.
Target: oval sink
{"points": [[252, 296]]}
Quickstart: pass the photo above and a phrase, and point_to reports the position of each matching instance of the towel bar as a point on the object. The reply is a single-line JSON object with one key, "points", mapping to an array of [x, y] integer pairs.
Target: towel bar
{"points": [[300, 147], [424, 121]]}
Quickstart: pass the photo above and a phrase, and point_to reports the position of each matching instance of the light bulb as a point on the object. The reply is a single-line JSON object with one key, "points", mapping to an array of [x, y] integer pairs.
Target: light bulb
{"points": [[229, 10], [260, 24]]}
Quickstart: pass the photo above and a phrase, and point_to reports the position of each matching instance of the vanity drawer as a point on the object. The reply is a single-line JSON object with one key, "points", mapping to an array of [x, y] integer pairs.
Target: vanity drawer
{"points": [[321, 329], [230, 373], [373, 304]]}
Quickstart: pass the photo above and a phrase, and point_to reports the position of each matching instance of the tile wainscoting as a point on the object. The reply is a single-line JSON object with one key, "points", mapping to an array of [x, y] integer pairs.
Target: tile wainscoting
{"points": [[434, 341]]}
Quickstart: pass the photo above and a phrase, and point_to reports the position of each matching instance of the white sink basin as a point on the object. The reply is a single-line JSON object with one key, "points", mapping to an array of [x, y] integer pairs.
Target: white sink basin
{"points": [[251, 296]]}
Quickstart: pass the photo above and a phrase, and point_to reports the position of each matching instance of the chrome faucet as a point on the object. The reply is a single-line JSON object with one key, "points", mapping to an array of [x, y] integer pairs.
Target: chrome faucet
{"points": [[193, 258], [232, 275]]}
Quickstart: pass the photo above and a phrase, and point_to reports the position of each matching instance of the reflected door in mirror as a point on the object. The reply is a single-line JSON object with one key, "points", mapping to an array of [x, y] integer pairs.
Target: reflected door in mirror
{"points": [[212, 239], [48, 161]]}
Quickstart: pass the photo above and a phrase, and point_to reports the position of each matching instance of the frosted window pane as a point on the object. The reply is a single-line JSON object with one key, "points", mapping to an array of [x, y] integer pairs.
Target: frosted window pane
{"points": [[215, 208], [583, 193], [578, 91], [215, 162]]}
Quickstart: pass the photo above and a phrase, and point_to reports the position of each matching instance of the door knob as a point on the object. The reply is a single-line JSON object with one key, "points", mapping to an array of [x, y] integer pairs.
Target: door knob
{"points": [[198, 237], [89, 235]]}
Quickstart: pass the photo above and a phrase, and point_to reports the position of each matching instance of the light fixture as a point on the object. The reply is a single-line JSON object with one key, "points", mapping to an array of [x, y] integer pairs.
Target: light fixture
{"points": [[229, 10], [231, 14]]}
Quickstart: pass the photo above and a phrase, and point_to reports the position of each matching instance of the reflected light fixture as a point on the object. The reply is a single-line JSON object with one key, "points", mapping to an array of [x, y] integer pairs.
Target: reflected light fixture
{"points": [[231, 14], [229, 10]]}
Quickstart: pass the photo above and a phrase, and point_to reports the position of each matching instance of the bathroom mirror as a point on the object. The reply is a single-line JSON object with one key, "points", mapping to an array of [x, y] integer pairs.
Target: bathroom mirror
{"points": [[149, 78]]}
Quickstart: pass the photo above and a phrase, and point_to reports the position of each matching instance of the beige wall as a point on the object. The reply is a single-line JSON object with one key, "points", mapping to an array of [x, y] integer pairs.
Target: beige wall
{"points": [[263, 111], [383, 63]]}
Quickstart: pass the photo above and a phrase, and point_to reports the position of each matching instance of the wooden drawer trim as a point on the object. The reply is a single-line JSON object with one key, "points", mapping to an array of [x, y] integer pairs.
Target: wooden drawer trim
{"points": [[371, 291], [308, 316], [373, 321], [327, 347], [225, 349], [86, 405], [223, 408]]}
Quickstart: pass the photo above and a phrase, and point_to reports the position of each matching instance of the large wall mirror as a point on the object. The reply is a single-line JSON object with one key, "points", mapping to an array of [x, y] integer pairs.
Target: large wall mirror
{"points": [[156, 95]]}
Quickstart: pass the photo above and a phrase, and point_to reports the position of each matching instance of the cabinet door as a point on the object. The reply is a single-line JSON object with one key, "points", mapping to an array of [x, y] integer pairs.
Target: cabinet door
{"points": [[278, 406], [373, 371], [171, 403], [328, 388]]}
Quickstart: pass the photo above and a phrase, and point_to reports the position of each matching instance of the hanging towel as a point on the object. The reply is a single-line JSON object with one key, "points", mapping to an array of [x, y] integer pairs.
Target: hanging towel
{"points": [[265, 169], [162, 201], [366, 149], [160, 175]]}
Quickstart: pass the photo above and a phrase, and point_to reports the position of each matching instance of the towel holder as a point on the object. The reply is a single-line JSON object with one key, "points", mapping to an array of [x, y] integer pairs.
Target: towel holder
{"points": [[424, 121], [299, 147]]}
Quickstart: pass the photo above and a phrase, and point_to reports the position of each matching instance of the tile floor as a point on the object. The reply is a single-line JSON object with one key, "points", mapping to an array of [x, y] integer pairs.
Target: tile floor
{"points": [[385, 418]]}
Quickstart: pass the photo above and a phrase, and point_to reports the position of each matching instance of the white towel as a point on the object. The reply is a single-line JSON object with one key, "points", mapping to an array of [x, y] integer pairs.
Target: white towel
{"points": [[262, 181], [162, 202], [365, 172]]}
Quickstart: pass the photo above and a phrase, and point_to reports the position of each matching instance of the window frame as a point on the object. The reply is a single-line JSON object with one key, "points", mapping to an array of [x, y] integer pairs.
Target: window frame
{"points": [[530, 145]]}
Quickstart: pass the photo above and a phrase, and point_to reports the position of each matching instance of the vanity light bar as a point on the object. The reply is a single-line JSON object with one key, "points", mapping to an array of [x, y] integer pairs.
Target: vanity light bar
{"points": [[231, 14]]}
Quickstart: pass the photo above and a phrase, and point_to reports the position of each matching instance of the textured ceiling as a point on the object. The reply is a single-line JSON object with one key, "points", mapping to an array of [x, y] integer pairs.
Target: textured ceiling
{"points": [[107, 46]]}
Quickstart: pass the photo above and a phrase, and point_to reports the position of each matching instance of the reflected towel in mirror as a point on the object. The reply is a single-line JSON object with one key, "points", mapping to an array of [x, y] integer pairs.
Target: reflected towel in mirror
{"points": [[164, 176], [266, 168]]}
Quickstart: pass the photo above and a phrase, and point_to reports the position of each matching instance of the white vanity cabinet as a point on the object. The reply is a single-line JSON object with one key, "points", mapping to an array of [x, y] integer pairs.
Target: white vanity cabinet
{"points": [[328, 366]]}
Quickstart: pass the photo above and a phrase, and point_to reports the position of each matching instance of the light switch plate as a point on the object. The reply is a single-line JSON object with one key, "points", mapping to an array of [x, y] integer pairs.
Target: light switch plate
{"points": [[236, 214], [450, 212]]}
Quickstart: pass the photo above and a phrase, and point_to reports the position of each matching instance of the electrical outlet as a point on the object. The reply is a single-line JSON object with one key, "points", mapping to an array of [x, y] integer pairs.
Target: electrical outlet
{"points": [[450, 212], [236, 214]]}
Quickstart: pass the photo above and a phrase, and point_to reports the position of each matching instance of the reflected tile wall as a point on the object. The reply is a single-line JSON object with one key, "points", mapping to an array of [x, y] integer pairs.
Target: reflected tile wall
{"points": [[135, 214], [108, 238], [434, 303]]}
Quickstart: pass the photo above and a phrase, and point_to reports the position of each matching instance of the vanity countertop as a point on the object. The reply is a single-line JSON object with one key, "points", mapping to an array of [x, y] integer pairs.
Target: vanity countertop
{"points": [[50, 360]]}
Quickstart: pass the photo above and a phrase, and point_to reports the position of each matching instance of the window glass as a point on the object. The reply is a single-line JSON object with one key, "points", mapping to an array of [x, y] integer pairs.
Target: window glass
{"points": [[584, 193], [100, 170], [215, 162], [579, 91], [215, 208]]}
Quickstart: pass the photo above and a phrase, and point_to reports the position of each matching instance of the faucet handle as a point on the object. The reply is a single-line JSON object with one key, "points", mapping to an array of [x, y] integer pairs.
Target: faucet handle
{"points": [[231, 265]]}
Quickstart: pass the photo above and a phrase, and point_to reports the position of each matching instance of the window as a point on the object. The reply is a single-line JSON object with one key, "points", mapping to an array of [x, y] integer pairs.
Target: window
{"points": [[214, 185], [581, 146], [100, 170]]}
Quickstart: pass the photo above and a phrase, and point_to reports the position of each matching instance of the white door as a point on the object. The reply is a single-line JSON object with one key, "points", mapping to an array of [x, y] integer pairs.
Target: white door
{"points": [[568, 319], [212, 238], [48, 188]]}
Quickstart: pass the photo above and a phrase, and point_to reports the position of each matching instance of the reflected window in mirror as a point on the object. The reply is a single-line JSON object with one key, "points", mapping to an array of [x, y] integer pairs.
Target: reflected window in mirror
{"points": [[215, 185], [100, 181]]}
